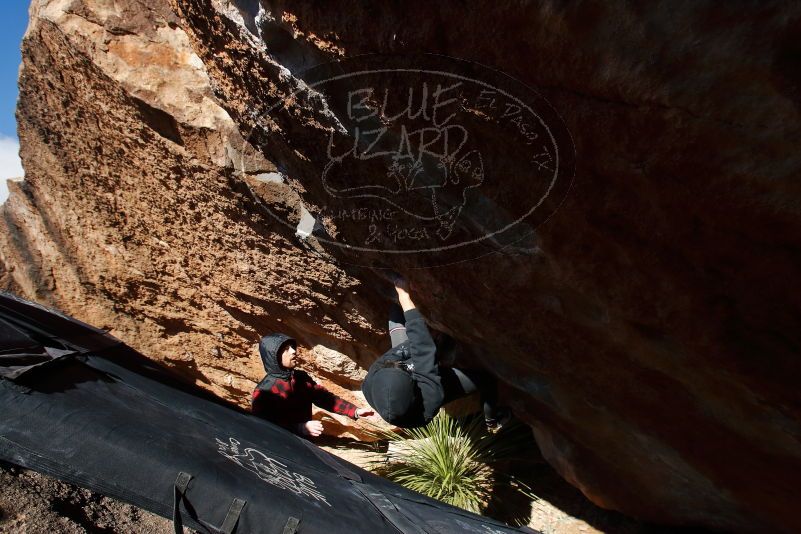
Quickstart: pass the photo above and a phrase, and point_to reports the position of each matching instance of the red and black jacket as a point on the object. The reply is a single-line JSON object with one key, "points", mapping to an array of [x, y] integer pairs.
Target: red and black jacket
{"points": [[289, 402], [285, 396]]}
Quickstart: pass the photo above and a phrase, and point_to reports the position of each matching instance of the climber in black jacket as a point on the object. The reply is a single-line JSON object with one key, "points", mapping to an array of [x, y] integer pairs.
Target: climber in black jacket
{"points": [[407, 386]]}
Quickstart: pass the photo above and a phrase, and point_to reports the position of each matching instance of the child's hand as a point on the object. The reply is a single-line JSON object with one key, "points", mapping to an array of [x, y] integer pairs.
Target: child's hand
{"points": [[311, 428], [364, 412]]}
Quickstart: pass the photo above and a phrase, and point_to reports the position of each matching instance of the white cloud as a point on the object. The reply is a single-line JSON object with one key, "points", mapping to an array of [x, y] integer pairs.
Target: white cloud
{"points": [[10, 164]]}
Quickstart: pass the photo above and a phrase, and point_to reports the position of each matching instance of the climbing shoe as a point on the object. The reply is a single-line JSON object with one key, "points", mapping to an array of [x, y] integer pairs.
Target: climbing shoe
{"points": [[502, 418]]}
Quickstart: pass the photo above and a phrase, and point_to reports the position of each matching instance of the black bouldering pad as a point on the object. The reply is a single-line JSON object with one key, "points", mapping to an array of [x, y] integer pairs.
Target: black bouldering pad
{"points": [[79, 405]]}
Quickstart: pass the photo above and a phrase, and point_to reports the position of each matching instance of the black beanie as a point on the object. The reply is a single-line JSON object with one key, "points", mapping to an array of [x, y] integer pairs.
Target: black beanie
{"points": [[392, 393]]}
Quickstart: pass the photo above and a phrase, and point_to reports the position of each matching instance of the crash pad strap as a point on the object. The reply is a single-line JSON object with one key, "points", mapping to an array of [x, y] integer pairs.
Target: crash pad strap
{"points": [[179, 489], [14, 365], [232, 517]]}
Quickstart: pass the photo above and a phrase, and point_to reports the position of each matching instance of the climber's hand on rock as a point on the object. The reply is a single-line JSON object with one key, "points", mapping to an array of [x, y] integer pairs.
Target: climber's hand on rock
{"points": [[364, 412], [401, 284], [311, 428], [402, 287]]}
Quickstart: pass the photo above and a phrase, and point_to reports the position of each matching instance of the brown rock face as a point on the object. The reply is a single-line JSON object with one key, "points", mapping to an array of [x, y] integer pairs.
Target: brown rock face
{"points": [[648, 328], [131, 217]]}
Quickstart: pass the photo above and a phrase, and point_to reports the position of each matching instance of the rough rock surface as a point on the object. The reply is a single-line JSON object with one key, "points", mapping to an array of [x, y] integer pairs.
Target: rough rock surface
{"points": [[130, 217], [649, 330]]}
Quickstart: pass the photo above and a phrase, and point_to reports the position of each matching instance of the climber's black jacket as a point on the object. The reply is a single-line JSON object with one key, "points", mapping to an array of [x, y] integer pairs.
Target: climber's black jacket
{"points": [[411, 395]]}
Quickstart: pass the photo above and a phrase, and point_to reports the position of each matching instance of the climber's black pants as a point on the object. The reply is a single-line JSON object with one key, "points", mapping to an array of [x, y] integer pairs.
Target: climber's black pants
{"points": [[457, 383]]}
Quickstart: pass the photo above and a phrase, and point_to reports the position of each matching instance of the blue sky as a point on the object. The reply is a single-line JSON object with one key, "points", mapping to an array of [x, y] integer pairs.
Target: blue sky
{"points": [[13, 22]]}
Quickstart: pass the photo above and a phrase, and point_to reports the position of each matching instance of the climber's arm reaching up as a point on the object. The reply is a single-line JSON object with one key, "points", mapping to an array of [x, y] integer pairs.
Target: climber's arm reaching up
{"points": [[424, 353]]}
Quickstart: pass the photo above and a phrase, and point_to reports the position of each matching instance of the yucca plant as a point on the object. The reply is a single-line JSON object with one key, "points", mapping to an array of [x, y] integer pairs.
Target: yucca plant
{"points": [[451, 460]]}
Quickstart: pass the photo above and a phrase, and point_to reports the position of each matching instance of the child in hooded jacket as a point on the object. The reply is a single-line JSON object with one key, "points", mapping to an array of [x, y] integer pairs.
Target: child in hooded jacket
{"points": [[285, 395]]}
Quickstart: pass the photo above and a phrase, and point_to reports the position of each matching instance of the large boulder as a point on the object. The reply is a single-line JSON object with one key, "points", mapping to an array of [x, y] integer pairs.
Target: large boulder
{"points": [[130, 216], [645, 321]]}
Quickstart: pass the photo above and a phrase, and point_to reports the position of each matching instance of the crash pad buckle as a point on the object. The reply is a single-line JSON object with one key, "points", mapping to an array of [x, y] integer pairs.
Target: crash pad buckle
{"points": [[291, 526]]}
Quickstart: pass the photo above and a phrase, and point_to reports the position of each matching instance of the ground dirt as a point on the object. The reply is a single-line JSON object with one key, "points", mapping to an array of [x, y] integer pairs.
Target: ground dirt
{"points": [[31, 503]]}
